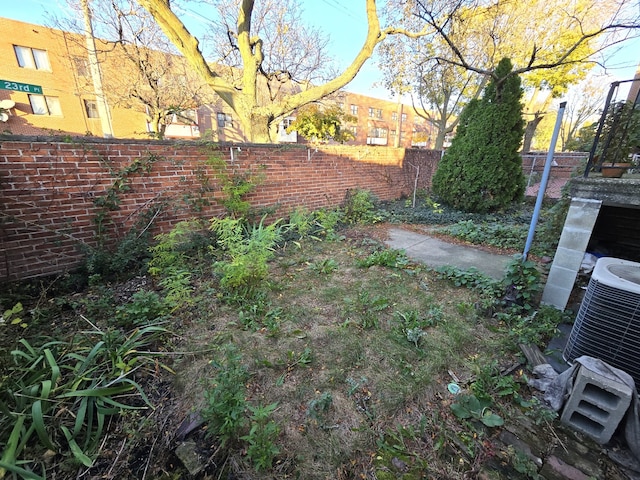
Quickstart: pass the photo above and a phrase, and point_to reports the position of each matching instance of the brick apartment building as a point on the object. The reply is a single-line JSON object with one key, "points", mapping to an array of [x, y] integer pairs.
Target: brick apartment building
{"points": [[65, 102]]}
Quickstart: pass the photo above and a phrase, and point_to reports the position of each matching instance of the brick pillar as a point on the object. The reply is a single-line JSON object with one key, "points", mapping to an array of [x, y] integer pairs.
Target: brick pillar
{"points": [[576, 233]]}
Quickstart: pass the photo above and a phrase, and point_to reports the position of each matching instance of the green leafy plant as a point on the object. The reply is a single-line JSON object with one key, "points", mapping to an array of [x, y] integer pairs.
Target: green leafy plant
{"points": [[247, 250], [13, 316], [475, 280], [257, 313], [145, 307], [366, 307], [328, 222], [318, 408], [470, 407], [263, 433], [522, 284], [360, 207], [303, 224], [501, 235], [389, 257], [225, 396], [236, 185], [412, 323], [325, 266], [536, 328], [59, 394]]}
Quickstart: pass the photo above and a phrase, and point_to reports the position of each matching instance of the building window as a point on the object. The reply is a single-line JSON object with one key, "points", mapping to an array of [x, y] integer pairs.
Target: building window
{"points": [[354, 110], [91, 107], [224, 120], [371, 110], [392, 133], [377, 132], [45, 105], [353, 129], [32, 58], [378, 113], [394, 116], [404, 117], [82, 66], [340, 105], [185, 117]]}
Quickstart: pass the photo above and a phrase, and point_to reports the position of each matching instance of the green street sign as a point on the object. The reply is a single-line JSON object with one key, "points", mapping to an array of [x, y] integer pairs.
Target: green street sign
{"points": [[20, 87]]}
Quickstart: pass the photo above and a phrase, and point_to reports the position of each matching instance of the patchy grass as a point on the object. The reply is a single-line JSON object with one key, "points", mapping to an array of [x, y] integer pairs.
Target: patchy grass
{"points": [[341, 357]]}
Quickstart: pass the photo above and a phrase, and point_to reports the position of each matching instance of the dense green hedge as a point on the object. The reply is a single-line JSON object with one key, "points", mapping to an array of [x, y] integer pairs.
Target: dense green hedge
{"points": [[482, 170]]}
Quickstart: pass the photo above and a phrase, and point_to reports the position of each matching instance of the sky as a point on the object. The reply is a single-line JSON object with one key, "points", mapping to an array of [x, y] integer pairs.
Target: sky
{"points": [[344, 23]]}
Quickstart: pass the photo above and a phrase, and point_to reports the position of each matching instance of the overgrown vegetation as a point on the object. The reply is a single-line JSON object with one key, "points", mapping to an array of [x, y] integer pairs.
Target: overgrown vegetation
{"points": [[308, 348]]}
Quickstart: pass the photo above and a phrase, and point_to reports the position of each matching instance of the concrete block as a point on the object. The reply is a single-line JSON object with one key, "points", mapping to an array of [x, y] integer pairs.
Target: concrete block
{"points": [[596, 405], [556, 296], [574, 239], [568, 258], [562, 277], [582, 214]]}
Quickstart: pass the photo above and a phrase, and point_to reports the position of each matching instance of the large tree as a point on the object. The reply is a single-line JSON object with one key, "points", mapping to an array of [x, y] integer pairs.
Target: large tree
{"points": [[552, 43], [257, 115], [482, 170]]}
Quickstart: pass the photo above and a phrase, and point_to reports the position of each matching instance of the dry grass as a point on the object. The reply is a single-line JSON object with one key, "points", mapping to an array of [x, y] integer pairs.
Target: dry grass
{"points": [[346, 320]]}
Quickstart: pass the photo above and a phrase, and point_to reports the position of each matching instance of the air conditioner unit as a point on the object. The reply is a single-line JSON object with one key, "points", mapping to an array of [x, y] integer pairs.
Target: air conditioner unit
{"points": [[608, 322]]}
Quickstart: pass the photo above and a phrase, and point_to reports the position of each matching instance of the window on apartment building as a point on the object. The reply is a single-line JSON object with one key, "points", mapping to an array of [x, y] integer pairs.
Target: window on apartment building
{"points": [[45, 105], [91, 107], [32, 58], [185, 117], [378, 113], [404, 117], [82, 66], [377, 132], [394, 116], [354, 110], [353, 129], [224, 120], [340, 105], [392, 133]]}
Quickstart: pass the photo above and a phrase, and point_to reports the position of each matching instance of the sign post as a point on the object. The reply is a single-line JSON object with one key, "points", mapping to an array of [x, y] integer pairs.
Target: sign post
{"points": [[20, 87]]}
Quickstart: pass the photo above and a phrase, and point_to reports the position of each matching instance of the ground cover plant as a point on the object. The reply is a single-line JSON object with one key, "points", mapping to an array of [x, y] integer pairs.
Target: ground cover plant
{"points": [[301, 349]]}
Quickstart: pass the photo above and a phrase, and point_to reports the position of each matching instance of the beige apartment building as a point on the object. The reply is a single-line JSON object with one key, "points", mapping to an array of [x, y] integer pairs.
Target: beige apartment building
{"points": [[46, 88]]}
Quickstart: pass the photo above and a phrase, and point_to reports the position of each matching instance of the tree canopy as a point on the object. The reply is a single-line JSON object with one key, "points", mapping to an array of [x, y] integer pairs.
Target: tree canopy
{"points": [[552, 44], [257, 115], [321, 125]]}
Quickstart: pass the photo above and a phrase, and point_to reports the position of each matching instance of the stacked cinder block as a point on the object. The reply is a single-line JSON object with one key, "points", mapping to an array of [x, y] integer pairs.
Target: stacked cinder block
{"points": [[597, 405]]}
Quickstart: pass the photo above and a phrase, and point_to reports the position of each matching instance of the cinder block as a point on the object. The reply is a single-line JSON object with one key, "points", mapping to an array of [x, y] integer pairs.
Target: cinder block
{"points": [[596, 405]]}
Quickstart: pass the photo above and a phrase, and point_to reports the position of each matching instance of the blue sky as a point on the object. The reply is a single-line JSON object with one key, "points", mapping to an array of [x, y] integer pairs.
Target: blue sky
{"points": [[344, 22]]}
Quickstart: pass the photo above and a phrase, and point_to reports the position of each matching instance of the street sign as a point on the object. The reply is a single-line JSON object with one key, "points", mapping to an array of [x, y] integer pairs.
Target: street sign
{"points": [[20, 87]]}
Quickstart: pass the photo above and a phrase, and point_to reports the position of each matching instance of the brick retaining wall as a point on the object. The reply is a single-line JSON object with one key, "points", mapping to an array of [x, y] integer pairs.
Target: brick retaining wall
{"points": [[48, 188]]}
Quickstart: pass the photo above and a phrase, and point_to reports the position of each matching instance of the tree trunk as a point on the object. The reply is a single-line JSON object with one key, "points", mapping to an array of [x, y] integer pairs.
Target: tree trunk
{"points": [[439, 143], [158, 133], [530, 131], [256, 127]]}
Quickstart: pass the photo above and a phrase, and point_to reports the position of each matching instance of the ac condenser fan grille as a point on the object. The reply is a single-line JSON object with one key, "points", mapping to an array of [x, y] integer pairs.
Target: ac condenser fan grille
{"points": [[608, 323]]}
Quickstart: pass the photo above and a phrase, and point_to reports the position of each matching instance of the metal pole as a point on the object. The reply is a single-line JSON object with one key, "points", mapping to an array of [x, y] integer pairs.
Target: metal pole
{"points": [[94, 66], [543, 181]]}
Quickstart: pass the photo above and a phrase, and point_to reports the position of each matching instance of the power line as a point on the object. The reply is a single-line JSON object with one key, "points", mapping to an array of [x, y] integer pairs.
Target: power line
{"points": [[337, 6]]}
